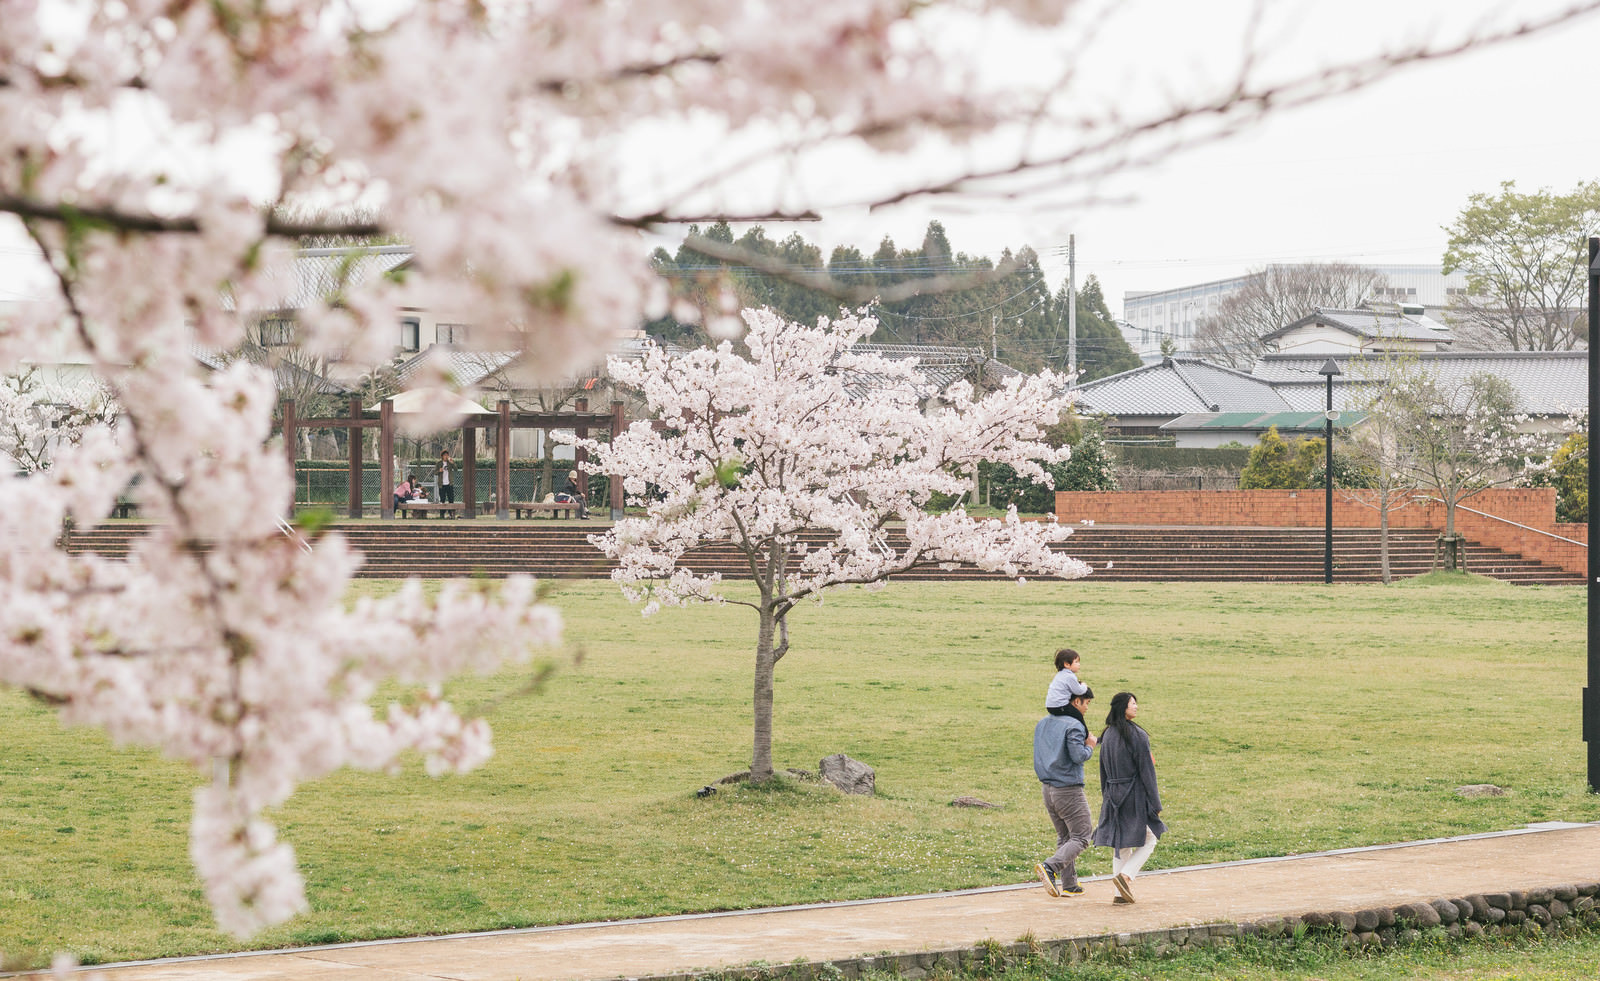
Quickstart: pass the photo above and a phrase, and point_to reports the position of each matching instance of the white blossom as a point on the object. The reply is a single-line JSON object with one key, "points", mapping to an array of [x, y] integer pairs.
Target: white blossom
{"points": [[770, 450]]}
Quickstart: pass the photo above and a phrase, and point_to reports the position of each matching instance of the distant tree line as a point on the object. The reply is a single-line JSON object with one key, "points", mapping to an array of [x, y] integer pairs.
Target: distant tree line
{"points": [[1016, 314]]}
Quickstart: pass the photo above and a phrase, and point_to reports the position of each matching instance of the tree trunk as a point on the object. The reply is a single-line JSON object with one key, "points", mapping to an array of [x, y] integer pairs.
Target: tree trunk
{"points": [[761, 754], [1383, 539]]}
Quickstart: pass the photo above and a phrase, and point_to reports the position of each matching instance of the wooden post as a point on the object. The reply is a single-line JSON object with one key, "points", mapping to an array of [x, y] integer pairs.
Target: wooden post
{"points": [[614, 486], [386, 458], [469, 471], [290, 437], [581, 455], [357, 437], [502, 462]]}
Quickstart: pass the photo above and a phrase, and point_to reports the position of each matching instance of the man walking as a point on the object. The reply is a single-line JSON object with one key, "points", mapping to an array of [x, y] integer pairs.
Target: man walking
{"points": [[1061, 745]]}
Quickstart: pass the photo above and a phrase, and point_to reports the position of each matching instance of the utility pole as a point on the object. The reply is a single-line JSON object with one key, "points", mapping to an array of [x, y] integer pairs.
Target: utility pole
{"points": [[1072, 307], [994, 336]]}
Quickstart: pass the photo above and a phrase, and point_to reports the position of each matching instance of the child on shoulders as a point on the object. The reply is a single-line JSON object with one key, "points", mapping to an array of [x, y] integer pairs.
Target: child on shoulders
{"points": [[1065, 686]]}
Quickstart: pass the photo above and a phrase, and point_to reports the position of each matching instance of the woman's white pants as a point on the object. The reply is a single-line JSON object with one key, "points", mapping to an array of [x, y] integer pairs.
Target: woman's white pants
{"points": [[1128, 861]]}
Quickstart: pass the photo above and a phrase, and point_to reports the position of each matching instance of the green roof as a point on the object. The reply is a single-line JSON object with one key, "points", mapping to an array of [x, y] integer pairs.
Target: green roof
{"points": [[1284, 421]]}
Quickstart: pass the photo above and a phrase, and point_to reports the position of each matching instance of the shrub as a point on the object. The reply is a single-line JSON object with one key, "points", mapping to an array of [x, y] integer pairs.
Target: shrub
{"points": [[1278, 465]]}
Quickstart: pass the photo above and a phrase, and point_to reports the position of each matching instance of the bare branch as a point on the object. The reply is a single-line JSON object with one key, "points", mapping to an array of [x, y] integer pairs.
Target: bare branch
{"points": [[148, 223], [649, 221]]}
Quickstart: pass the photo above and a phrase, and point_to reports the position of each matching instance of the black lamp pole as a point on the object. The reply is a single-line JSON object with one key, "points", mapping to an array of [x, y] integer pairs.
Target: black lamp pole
{"points": [[1328, 370], [1591, 694]]}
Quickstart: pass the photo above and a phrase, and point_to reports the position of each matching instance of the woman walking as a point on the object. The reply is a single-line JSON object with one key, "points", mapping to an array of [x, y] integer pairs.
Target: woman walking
{"points": [[1130, 804]]}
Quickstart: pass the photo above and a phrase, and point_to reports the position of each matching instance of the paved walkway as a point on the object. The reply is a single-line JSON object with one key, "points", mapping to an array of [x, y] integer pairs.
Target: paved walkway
{"points": [[1539, 856]]}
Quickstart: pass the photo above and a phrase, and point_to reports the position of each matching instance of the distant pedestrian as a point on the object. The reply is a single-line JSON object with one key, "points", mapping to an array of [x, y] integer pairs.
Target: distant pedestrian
{"points": [[447, 490], [1065, 684], [1061, 745], [1130, 804]]}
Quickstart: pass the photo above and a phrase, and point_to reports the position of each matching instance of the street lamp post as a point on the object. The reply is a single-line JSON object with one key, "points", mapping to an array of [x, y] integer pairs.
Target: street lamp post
{"points": [[1327, 371], [1591, 694]]}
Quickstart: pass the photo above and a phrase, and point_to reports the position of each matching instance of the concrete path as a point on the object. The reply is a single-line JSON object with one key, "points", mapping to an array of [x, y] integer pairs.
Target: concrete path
{"points": [[1539, 856]]}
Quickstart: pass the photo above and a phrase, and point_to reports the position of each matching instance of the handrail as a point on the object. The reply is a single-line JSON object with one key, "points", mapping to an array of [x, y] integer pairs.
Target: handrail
{"points": [[290, 532], [1514, 524]]}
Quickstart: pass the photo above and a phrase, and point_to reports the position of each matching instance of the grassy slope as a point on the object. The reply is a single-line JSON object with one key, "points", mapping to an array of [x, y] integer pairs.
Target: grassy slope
{"points": [[1284, 719]]}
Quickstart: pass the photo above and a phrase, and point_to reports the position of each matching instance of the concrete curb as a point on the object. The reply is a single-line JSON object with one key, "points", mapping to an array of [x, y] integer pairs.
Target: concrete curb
{"points": [[1536, 913]]}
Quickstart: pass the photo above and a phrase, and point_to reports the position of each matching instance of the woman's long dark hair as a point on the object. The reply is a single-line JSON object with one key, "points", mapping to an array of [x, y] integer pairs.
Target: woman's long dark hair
{"points": [[1118, 719]]}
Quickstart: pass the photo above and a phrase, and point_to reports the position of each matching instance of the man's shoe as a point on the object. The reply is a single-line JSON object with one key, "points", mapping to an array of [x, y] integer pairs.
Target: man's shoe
{"points": [[1048, 877], [1124, 885], [1121, 900], [1072, 890]]}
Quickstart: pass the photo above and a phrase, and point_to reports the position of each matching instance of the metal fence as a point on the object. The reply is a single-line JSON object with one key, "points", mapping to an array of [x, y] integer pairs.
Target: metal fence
{"points": [[1131, 479], [331, 485]]}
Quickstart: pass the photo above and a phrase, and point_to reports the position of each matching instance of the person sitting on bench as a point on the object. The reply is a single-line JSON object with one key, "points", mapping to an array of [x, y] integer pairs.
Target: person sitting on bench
{"points": [[570, 495]]}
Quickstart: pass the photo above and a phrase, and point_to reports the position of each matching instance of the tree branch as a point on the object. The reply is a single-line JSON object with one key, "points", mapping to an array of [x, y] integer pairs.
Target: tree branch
{"points": [[148, 223]]}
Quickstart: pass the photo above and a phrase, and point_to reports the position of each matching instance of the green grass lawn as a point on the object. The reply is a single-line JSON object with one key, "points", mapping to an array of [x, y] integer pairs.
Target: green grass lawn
{"points": [[1284, 718]]}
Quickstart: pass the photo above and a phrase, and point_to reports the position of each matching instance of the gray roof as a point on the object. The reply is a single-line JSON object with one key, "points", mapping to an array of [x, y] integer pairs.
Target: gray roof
{"points": [[321, 273], [939, 367], [1372, 325], [1175, 386], [1547, 382], [1312, 396], [286, 374], [466, 368]]}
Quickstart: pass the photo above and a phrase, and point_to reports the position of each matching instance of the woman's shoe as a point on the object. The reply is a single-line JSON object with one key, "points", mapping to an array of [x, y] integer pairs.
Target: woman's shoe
{"points": [[1124, 885]]}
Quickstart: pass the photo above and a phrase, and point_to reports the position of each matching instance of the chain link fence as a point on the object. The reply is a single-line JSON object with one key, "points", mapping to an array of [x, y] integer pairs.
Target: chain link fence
{"points": [[328, 484]]}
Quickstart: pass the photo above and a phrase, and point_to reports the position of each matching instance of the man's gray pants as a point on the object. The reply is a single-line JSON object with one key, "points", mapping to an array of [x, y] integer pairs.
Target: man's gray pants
{"points": [[1068, 808]]}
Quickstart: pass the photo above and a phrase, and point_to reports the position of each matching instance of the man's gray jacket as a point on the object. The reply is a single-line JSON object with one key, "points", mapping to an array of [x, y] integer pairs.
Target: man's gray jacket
{"points": [[1059, 750]]}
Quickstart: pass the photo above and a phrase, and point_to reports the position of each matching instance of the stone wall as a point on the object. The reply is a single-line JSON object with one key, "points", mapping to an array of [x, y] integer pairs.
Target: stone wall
{"points": [[1534, 507], [1540, 912]]}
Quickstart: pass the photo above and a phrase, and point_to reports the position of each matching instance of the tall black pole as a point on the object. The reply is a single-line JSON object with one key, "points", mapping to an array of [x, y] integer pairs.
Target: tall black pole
{"points": [[1328, 370], [1327, 483], [1591, 694]]}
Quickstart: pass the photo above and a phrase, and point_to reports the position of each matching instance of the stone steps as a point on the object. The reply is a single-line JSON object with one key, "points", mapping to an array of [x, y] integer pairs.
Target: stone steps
{"points": [[440, 548]]}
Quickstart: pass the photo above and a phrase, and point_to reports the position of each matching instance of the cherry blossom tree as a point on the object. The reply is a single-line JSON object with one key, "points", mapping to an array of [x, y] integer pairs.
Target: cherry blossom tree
{"points": [[166, 156], [799, 454], [38, 417]]}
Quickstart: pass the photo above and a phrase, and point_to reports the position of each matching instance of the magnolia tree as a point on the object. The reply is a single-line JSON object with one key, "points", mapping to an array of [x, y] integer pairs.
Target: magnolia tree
{"points": [[799, 454], [1457, 437], [1376, 447], [156, 152]]}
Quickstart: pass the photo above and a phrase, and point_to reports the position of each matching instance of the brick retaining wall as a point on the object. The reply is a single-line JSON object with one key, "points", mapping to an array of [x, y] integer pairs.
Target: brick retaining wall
{"points": [[1531, 506]]}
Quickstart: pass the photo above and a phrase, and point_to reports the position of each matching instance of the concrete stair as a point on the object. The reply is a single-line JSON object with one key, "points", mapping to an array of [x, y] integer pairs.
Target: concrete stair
{"points": [[442, 548]]}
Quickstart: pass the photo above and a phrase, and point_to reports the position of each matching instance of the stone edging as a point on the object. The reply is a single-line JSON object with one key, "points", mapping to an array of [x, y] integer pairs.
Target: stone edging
{"points": [[1534, 912]]}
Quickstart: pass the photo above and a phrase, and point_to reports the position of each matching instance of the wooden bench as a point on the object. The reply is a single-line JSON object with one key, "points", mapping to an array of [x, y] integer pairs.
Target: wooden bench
{"points": [[528, 509], [421, 509]]}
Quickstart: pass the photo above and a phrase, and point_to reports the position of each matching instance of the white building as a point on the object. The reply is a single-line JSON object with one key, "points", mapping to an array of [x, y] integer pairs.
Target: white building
{"points": [[1343, 332], [1149, 317]]}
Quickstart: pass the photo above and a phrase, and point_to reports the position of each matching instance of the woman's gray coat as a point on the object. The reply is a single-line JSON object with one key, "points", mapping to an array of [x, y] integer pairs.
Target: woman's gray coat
{"points": [[1129, 800]]}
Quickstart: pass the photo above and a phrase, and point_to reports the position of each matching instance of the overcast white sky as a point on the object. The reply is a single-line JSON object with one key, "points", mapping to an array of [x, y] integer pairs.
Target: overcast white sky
{"points": [[1369, 177]]}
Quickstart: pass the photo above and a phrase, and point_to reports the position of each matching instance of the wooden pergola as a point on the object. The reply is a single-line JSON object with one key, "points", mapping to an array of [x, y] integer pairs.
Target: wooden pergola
{"points": [[580, 421]]}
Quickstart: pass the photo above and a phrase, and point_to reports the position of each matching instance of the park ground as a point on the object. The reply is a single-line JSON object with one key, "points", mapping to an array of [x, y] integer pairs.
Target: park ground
{"points": [[1286, 719]]}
